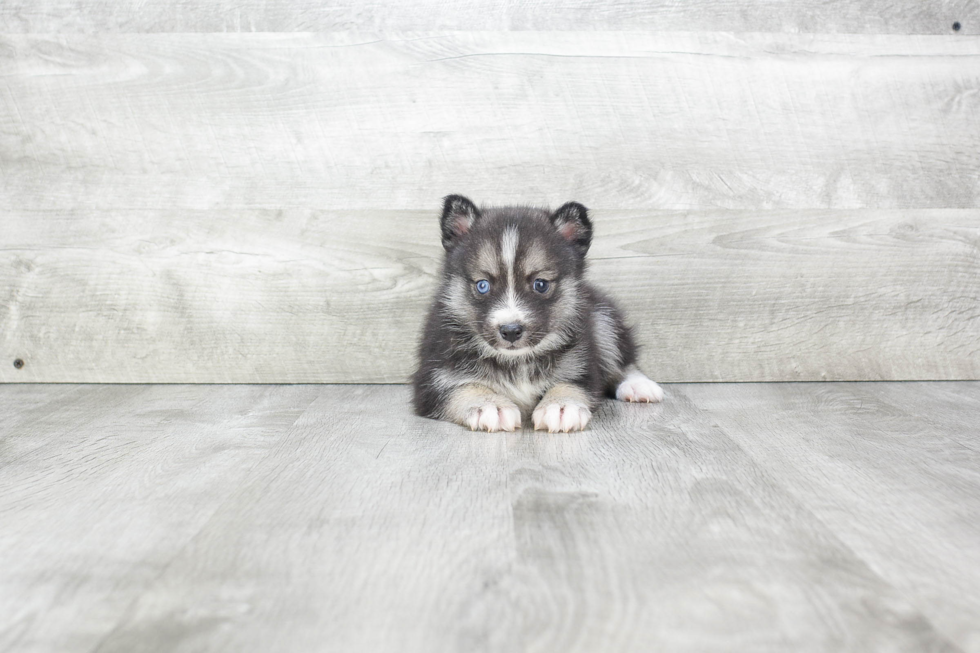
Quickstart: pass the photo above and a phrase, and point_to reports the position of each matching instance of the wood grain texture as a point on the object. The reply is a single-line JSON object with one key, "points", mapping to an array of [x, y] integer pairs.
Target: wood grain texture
{"points": [[331, 296], [646, 530], [616, 119], [884, 470], [861, 16], [101, 492], [328, 518], [245, 207], [368, 530]]}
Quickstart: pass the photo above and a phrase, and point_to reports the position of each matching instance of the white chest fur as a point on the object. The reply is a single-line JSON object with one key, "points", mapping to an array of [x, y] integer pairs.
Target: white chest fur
{"points": [[522, 390]]}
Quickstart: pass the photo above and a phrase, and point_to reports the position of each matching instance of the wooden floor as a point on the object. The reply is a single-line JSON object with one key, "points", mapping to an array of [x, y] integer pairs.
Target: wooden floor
{"points": [[751, 517]]}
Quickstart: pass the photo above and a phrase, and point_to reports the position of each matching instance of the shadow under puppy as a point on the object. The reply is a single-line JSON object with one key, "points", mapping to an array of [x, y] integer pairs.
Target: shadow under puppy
{"points": [[515, 330]]}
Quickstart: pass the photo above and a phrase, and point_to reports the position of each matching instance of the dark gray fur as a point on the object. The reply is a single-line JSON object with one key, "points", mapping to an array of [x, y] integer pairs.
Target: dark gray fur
{"points": [[451, 351]]}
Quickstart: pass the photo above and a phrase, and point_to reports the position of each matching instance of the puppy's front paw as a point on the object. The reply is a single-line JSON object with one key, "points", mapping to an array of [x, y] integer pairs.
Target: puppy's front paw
{"points": [[561, 415], [494, 416], [637, 387]]}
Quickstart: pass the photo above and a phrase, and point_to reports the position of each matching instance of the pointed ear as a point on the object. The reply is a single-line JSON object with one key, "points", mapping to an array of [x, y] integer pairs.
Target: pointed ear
{"points": [[572, 222], [459, 215]]}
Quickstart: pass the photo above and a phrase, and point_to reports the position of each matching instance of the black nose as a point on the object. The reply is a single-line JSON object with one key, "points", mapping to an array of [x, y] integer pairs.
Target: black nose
{"points": [[511, 332]]}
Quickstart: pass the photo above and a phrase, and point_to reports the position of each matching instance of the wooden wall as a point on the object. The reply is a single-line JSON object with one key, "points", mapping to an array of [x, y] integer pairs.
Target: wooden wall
{"points": [[247, 191]]}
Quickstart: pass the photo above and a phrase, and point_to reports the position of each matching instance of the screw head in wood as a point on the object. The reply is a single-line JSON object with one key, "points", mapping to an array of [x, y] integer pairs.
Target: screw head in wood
{"points": [[19, 363]]}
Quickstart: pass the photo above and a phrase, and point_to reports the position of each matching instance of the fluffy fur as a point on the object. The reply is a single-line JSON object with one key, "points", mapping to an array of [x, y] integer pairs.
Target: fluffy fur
{"points": [[515, 332]]}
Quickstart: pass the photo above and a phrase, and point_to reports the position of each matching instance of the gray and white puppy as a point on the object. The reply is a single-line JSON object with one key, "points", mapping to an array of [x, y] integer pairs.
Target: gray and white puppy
{"points": [[515, 331]]}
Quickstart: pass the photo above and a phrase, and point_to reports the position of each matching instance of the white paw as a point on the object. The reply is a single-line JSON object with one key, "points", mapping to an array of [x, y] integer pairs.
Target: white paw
{"points": [[491, 417], [637, 387], [562, 415]]}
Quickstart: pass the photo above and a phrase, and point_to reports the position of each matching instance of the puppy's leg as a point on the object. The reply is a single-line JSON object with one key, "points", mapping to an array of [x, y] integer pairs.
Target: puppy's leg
{"points": [[635, 386], [563, 408], [617, 357], [481, 409]]}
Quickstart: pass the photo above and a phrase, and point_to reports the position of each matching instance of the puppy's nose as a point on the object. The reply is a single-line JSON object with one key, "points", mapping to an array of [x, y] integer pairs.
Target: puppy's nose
{"points": [[511, 332]]}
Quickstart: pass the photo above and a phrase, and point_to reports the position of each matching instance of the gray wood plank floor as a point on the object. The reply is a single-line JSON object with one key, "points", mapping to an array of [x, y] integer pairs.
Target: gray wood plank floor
{"points": [[813, 517]]}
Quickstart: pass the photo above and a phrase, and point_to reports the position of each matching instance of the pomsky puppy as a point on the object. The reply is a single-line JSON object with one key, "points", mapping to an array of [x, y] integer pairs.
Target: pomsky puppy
{"points": [[515, 331]]}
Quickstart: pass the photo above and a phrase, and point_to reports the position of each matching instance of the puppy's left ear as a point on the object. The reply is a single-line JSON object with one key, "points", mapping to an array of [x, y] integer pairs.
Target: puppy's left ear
{"points": [[572, 222]]}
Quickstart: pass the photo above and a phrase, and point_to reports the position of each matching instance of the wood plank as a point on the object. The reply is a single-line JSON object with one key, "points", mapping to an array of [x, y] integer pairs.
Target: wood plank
{"points": [[203, 521], [951, 408], [27, 402], [888, 478], [861, 16], [369, 530], [97, 511], [59, 409], [616, 119], [335, 296], [646, 530]]}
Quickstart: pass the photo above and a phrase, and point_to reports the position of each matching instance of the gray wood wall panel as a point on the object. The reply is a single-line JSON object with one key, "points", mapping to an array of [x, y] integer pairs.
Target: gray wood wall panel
{"points": [[260, 207], [822, 16], [322, 296], [617, 120]]}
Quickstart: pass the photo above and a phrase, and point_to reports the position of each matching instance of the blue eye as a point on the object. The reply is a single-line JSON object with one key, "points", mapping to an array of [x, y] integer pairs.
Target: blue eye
{"points": [[483, 286], [541, 285]]}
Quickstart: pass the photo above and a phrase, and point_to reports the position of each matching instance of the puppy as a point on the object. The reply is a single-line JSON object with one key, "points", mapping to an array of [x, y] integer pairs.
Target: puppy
{"points": [[515, 330]]}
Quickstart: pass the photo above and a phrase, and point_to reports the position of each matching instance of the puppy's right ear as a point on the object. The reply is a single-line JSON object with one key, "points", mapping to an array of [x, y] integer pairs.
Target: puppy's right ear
{"points": [[459, 215]]}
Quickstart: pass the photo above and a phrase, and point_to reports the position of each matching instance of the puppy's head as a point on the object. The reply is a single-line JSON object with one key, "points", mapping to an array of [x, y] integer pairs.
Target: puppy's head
{"points": [[513, 273]]}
